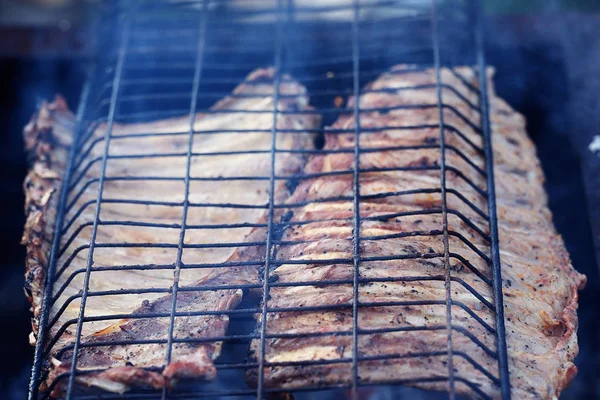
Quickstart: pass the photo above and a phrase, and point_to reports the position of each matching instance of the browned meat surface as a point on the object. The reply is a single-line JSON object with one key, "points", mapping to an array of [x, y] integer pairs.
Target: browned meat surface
{"points": [[49, 135], [539, 283]]}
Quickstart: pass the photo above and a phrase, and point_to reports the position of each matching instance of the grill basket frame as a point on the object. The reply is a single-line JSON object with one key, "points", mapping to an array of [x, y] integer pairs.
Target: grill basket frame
{"points": [[102, 101]]}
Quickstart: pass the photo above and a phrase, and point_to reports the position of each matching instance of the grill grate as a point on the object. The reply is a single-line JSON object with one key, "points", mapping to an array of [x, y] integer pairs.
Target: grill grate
{"points": [[157, 59]]}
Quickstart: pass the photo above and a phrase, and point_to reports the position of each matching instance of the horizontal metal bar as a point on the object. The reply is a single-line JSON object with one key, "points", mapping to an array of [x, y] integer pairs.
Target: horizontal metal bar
{"points": [[223, 31], [299, 177], [329, 61], [367, 150], [286, 284], [291, 205], [322, 111], [314, 94], [329, 131], [142, 224], [318, 152], [157, 12], [362, 358], [470, 245], [251, 311], [233, 312], [465, 81], [251, 206], [468, 203], [146, 395], [252, 244], [360, 331], [302, 77]]}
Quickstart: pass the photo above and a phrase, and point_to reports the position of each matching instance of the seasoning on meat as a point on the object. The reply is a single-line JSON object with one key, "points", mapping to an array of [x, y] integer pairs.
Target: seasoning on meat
{"points": [[402, 253], [229, 142]]}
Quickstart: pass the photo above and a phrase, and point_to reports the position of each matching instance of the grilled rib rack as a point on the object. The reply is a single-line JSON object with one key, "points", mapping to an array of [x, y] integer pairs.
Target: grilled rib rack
{"points": [[162, 59]]}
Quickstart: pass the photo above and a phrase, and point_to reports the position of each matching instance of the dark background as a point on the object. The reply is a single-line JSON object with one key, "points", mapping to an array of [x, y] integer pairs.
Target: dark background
{"points": [[24, 83], [547, 68]]}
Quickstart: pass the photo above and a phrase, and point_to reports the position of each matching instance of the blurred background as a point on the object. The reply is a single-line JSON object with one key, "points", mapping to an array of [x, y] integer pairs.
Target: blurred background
{"points": [[547, 57]]}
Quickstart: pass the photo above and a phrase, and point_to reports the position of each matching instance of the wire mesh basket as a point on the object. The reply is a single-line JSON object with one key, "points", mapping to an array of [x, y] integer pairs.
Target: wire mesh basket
{"points": [[161, 194]]}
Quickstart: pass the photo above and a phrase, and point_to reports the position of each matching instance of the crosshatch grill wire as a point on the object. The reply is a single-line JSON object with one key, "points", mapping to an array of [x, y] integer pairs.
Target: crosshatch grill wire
{"points": [[447, 282], [90, 114], [356, 196]]}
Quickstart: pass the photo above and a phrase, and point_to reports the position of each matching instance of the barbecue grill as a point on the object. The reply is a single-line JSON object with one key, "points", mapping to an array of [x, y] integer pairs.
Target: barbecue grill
{"points": [[161, 59]]}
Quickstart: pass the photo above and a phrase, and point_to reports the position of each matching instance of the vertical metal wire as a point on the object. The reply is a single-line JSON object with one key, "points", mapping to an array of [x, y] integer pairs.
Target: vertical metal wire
{"points": [[356, 195], [192, 119], [493, 217], [269, 243], [90, 262], [447, 281], [54, 250]]}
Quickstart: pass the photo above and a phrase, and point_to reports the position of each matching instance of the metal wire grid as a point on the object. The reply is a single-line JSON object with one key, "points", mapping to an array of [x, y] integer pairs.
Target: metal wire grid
{"points": [[107, 95]]}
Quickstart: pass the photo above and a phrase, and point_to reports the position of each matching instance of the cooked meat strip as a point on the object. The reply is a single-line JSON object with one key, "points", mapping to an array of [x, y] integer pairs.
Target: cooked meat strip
{"points": [[231, 145], [402, 253]]}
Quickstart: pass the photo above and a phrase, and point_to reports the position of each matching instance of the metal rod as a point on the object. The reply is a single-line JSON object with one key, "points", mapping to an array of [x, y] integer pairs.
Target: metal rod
{"points": [[324, 110], [356, 196], [42, 333], [436, 55], [270, 216], [299, 177], [145, 395], [133, 98], [461, 282], [492, 212], [163, 245], [192, 117], [90, 261], [284, 309], [454, 149], [330, 131]]}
